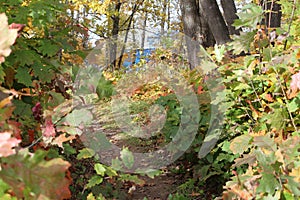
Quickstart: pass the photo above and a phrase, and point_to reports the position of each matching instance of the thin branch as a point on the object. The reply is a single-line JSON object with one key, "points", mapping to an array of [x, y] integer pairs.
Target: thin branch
{"points": [[291, 21]]}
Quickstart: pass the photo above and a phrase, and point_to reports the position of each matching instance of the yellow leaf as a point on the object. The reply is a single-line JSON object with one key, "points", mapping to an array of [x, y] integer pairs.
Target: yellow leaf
{"points": [[5, 101], [296, 173]]}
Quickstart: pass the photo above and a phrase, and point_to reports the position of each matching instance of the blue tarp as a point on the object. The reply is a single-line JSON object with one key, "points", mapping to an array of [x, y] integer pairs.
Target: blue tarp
{"points": [[139, 54]]}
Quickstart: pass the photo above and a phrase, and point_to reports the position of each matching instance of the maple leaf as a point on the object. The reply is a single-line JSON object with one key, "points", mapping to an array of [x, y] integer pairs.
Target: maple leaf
{"points": [[8, 37], [18, 27], [37, 111], [23, 76], [295, 84], [61, 139], [7, 143], [48, 48], [32, 177], [48, 129]]}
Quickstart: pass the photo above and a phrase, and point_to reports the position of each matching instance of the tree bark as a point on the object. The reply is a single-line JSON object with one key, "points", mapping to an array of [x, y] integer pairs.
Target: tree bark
{"points": [[144, 30], [207, 38], [114, 33], [230, 15], [135, 8], [215, 20], [164, 16], [191, 27]]}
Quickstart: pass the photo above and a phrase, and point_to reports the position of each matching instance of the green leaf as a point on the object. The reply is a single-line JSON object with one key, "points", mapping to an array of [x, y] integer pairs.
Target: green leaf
{"points": [[287, 195], [110, 172], [293, 106], [23, 76], [250, 16], [240, 144], [68, 149], [22, 109], [85, 153], [266, 142], [226, 157], [116, 164], [56, 99], [95, 180], [278, 118], [242, 42], [127, 158], [132, 178], [208, 66], [38, 176], [149, 172], [242, 86], [44, 73], [78, 117], [48, 48], [293, 185], [2, 74], [268, 184], [267, 52], [226, 147], [100, 169], [266, 160], [25, 57], [3, 188], [219, 52]]}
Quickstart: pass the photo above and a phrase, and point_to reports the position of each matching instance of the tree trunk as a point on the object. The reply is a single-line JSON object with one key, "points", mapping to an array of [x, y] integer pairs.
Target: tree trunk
{"points": [[207, 37], [169, 15], [230, 15], [191, 26], [133, 35], [144, 31], [215, 20], [126, 34], [273, 13], [164, 16], [114, 33]]}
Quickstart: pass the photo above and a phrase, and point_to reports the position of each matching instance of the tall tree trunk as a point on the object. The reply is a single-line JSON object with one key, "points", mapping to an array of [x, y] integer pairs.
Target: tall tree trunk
{"points": [[144, 30], [207, 37], [215, 20], [191, 26], [273, 13], [230, 15], [133, 34], [169, 15], [114, 33], [163, 17], [126, 34]]}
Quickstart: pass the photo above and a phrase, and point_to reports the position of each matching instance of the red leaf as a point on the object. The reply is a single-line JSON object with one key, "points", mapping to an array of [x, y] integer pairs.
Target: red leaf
{"points": [[18, 27], [295, 83], [15, 126], [31, 135], [200, 90], [37, 111], [7, 144], [40, 177], [48, 129]]}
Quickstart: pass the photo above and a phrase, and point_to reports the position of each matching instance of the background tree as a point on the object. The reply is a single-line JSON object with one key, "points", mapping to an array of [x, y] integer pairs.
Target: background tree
{"points": [[273, 13], [215, 20], [229, 12], [191, 26]]}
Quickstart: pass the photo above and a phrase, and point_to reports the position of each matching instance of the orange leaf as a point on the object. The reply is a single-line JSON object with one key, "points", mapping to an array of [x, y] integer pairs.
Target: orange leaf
{"points": [[5, 101], [62, 138], [42, 178], [269, 98], [200, 90]]}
